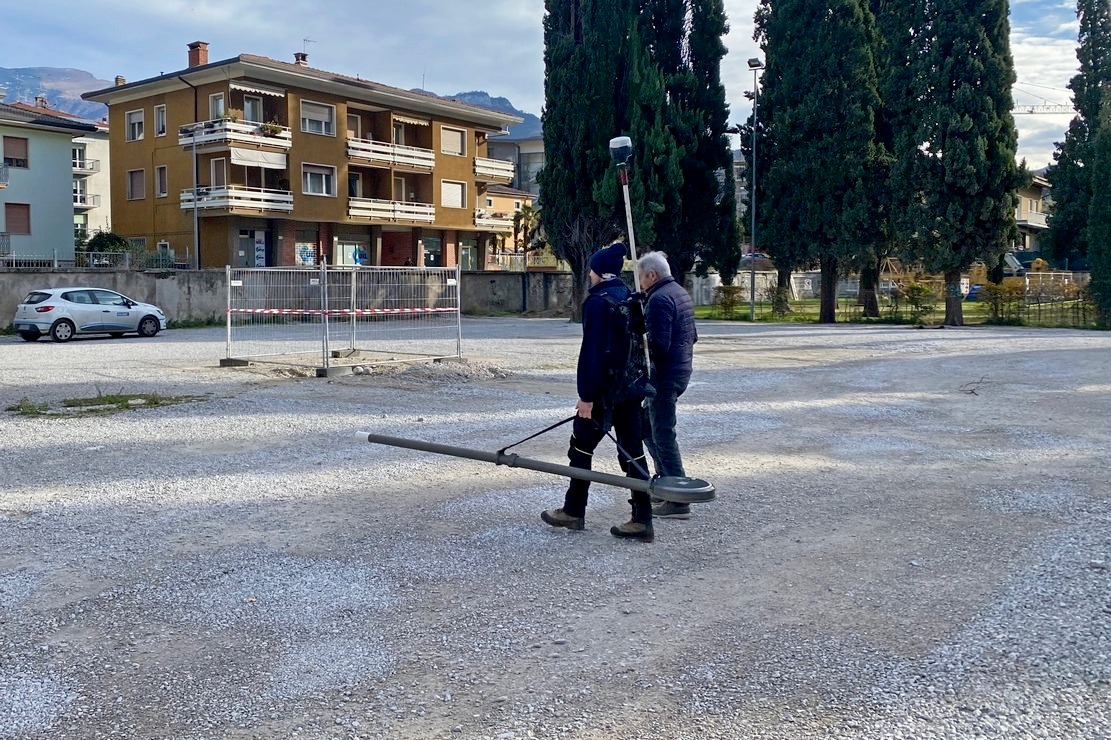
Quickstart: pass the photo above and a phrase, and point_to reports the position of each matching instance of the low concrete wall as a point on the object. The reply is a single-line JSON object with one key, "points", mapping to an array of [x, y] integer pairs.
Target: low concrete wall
{"points": [[516, 292], [181, 295], [203, 295]]}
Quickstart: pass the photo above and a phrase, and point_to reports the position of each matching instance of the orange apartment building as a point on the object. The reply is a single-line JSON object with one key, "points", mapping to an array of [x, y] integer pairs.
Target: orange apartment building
{"points": [[294, 164]]}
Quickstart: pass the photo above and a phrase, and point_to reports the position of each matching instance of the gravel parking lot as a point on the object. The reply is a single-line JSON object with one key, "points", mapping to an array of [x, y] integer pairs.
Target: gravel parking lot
{"points": [[911, 540]]}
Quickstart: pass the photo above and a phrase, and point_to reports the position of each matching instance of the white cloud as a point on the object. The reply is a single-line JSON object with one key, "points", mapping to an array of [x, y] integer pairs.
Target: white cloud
{"points": [[448, 46]]}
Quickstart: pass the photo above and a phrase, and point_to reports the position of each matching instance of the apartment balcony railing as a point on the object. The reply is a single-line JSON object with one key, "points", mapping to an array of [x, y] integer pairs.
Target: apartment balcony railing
{"points": [[85, 167], [385, 153], [237, 197], [493, 170], [391, 210], [1031, 218], [493, 221], [225, 133], [3, 175], [85, 201], [5, 244]]}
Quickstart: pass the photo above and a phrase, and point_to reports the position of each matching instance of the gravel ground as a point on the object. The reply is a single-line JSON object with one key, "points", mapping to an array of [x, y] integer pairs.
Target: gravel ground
{"points": [[910, 540]]}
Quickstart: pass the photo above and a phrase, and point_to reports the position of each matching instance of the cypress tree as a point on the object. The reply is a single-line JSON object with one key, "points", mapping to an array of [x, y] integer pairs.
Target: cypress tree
{"points": [[583, 41], [894, 22], [1069, 176], [819, 104], [709, 197], [958, 173], [1098, 231]]}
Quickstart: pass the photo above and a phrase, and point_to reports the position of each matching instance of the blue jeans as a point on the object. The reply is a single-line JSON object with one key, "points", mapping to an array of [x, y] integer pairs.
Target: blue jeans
{"points": [[659, 432]]}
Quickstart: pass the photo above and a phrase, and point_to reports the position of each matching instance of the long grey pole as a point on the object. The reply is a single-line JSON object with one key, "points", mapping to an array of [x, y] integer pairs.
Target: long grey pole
{"points": [[679, 490], [509, 459]]}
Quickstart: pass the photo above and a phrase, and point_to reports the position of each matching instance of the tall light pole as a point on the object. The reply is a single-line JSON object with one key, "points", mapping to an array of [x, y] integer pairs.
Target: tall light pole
{"points": [[193, 129], [755, 65]]}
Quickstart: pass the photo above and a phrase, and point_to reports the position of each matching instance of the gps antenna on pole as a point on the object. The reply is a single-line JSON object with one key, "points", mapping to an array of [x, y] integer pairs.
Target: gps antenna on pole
{"points": [[621, 151]]}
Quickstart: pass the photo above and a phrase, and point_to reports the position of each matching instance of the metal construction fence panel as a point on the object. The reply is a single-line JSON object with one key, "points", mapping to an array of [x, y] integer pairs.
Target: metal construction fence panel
{"points": [[332, 316]]}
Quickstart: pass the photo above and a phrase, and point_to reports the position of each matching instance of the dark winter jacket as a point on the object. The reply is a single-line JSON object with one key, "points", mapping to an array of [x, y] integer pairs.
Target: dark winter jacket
{"points": [[669, 315], [596, 339]]}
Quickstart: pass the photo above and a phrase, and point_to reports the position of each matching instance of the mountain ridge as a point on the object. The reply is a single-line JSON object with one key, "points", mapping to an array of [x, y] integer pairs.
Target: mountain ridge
{"points": [[63, 86]]}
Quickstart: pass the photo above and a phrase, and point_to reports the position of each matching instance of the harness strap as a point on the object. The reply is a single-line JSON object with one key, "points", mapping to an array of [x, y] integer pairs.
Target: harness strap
{"points": [[542, 431], [635, 462], [624, 452]]}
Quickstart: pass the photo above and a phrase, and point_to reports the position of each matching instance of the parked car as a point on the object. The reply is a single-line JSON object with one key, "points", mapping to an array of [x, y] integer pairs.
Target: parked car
{"points": [[65, 312]]}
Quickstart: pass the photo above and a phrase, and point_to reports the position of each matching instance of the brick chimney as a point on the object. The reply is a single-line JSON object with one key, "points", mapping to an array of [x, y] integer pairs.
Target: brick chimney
{"points": [[120, 80], [41, 101], [301, 59], [198, 53]]}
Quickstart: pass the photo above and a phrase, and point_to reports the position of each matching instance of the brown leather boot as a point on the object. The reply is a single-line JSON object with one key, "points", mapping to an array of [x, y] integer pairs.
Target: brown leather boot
{"points": [[560, 518], [639, 527]]}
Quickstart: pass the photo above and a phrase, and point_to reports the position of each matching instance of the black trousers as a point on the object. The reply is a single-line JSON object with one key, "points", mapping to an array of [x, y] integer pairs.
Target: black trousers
{"points": [[585, 436]]}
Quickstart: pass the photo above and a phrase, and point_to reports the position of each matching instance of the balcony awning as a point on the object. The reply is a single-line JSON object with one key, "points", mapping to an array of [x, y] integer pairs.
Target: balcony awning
{"points": [[252, 158], [252, 87], [411, 120]]}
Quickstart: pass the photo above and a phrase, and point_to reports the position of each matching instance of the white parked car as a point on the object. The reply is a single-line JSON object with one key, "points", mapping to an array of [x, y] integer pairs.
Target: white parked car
{"points": [[65, 312]]}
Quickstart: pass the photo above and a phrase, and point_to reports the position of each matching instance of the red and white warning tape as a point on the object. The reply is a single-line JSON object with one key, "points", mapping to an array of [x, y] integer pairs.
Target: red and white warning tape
{"points": [[340, 311]]}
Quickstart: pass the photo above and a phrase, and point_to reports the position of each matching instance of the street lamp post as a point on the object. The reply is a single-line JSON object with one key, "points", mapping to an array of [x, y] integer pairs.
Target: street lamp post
{"points": [[755, 65], [196, 230]]}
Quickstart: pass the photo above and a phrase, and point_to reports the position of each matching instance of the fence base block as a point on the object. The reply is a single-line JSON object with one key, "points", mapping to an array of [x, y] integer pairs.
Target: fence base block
{"points": [[234, 362], [334, 372]]}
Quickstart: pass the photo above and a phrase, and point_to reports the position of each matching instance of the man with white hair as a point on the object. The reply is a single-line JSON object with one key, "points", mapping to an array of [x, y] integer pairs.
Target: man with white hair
{"points": [[669, 317]]}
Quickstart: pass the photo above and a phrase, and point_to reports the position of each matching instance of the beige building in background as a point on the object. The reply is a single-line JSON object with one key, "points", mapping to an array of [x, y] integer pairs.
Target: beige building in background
{"points": [[294, 164], [1032, 214]]}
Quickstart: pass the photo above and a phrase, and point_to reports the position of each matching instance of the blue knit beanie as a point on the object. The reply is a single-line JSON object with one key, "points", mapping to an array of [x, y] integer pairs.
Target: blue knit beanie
{"points": [[609, 260]]}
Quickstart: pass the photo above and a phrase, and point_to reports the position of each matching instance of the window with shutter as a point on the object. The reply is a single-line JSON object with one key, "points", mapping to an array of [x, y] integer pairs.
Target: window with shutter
{"points": [[134, 125], [453, 194], [317, 118], [15, 151], [17, 218], [453, 141], [318, 180], [136, 184]]}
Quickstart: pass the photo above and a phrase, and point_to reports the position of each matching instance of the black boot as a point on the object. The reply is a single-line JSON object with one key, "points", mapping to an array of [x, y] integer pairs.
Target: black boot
{"points": [[639, 527]]}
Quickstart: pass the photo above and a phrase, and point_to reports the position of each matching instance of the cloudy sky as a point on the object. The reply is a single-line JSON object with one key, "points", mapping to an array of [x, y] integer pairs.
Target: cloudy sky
{"points": [[446, 46]]}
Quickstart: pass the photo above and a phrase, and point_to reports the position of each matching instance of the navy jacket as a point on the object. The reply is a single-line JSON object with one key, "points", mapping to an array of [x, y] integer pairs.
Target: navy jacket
{"points": [[669, 315], [591, 370]]}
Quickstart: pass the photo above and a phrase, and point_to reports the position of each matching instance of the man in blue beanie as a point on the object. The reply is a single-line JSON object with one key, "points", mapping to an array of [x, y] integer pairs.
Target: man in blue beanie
{"points": [[600, 406]]}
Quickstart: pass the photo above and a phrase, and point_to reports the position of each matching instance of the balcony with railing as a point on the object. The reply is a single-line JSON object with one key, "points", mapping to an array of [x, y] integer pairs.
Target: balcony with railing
{"points": [[493, 221], [391, 210], [3, 175], [493, 170], [86, 167], [225, 132], [238, 198], [386, 154], [1033, 219], [85, 201]]}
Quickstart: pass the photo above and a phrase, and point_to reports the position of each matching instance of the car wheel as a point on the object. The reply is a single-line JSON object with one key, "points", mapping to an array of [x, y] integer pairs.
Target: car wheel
{"points": [[115, 334], [148, 326], [63, 330], [29, 336]]}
